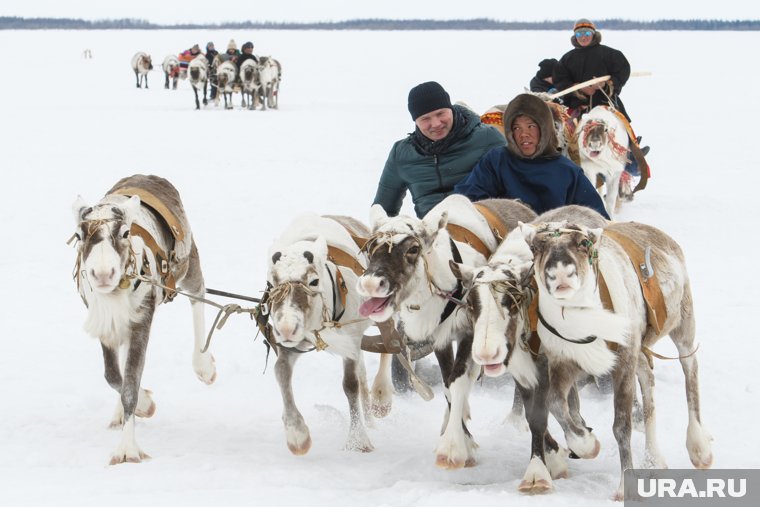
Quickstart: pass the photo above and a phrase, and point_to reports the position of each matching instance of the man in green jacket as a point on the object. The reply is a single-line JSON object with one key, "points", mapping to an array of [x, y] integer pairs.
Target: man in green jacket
{"points": [[446, 144]]}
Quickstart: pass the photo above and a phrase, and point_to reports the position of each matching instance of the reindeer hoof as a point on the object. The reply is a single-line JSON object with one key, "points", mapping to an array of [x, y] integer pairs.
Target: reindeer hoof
{"points": [[147, 412], [380, 410], [703, 464], [302, 448], [534, 487], [449, 463], [129, 458]]}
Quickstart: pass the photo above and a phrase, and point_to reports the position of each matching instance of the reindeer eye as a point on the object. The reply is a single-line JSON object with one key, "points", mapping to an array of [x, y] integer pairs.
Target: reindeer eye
{"points": [[124, 232], [415, 250], [314, 283], [551, 278]]}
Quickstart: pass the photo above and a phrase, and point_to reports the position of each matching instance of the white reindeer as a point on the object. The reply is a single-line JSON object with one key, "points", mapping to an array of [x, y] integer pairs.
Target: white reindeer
{"points": [[573, 264], [121, 243], [408, 275], [499, 298], [312, 308], [603, 147], [198, 75], [270, 73], [141, 65], [226, 73], [170, 67], [249, 75]]}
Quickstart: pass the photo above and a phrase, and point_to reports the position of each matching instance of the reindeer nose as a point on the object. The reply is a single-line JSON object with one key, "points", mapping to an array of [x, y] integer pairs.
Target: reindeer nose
{"points": [[287, 331], [103, 277]]}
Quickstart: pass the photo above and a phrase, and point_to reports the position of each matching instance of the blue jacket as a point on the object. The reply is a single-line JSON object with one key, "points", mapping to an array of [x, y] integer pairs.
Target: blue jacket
{"points": [[541, 183]]}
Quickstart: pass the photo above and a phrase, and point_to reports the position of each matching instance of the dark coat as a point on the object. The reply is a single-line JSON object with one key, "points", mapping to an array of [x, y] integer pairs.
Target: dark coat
{"points": [[210, 55], [543, 181], [243, 57], [584, 63], [431, 177], [538, 85]]}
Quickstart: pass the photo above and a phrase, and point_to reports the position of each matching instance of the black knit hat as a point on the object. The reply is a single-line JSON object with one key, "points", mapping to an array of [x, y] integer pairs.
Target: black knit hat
{"points": [[546, 67], [427, 97]]}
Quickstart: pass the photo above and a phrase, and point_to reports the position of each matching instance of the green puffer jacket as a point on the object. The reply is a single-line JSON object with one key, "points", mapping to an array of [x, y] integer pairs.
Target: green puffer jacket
{"points": [[431, 178]]}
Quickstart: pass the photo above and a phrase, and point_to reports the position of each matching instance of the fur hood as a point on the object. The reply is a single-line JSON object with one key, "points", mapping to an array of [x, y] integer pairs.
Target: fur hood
{"points": [[535, 108], [595, 41]]}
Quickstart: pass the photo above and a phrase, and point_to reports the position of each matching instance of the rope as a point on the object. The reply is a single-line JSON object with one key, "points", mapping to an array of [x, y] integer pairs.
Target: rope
{"points": [[221, 317]]}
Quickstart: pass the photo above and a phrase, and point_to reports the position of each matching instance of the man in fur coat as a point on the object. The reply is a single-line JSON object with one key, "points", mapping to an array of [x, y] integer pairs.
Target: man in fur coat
{"points": [[530, 167], [590, 59]]}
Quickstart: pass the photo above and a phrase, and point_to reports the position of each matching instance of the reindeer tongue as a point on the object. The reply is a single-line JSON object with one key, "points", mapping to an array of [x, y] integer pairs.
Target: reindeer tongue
{"points": [[373, 305]]}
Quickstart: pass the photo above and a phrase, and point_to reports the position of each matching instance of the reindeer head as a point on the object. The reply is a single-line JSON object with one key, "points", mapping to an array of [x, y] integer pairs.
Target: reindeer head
{"points": [[565, 256], [105, 251], [498, 296], [296, 302], [396, 252]]}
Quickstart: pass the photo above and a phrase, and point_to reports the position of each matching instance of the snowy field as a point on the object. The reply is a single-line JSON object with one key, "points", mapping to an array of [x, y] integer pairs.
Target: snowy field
{"points": [[73, 126]]}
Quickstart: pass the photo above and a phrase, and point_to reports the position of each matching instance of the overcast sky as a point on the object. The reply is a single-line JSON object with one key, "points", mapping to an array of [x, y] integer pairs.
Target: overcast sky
{"points": [[210, 11]]}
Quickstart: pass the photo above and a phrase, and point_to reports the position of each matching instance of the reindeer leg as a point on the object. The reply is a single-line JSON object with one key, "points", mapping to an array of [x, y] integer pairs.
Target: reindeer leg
{"points": [[456, 447], [517, 416], [537, 478], [623, 378], [382, 388], [137, 79], [357, 435], [445, 359], [146, 81], [296, 431], [197, 104], [580, 440], [128, 450], [166, 83], [698, 440], [205, 90], [652, 456]]}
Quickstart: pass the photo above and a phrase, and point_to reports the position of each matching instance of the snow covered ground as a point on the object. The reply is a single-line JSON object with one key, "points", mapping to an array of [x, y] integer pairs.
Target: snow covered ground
{"points": [[73, 126]]}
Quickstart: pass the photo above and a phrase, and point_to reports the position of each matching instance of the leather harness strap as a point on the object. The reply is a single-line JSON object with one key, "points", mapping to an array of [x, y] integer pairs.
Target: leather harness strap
{"points": [[464, 235], [650, 286], [497, 227], [162, 260], [159, 207]]}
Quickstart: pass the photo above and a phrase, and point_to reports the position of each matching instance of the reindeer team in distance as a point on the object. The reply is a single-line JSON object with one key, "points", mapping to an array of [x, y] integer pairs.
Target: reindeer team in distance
{"points": [[257, 79]]}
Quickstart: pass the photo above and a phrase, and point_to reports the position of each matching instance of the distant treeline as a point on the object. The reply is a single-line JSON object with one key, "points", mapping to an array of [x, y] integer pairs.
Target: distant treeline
{"points": [[18, 23]]}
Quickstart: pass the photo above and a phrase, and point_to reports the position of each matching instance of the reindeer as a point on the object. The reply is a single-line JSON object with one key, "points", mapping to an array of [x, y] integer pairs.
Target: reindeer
{"points": [[603, 147], [408, 275], [226, 73], [171, 71], [313, 305], [270, 73], [197, 71], [134, 239], [584, 330], [141, 64], [498, 301], [249, 75]]}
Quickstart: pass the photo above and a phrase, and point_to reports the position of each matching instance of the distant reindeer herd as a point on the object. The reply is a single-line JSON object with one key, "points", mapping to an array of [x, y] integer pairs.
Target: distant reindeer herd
{"points": [[258, 83]]}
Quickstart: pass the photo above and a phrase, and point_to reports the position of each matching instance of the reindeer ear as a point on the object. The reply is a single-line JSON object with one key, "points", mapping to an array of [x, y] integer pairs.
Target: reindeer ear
{"points": [[377, 217], [321, 247], [132, 208], [462, 272], [434, 222], [528, 232], [595, 235], [78, 207]]}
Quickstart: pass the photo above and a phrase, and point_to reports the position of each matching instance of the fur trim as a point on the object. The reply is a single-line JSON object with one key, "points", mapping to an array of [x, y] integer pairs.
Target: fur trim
{"points": [[529, 105]]}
